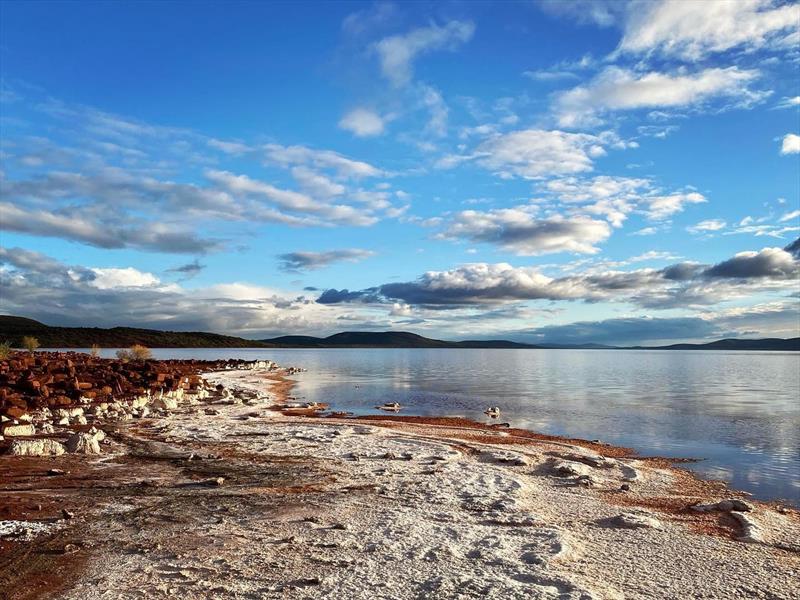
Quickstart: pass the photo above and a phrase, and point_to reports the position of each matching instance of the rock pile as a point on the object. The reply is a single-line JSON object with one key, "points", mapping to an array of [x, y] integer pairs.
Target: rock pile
{"points": [[62, 388]]}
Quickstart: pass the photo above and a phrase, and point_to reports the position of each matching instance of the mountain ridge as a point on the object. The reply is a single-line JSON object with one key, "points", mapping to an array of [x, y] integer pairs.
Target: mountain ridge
{"points": [[13, 328]]}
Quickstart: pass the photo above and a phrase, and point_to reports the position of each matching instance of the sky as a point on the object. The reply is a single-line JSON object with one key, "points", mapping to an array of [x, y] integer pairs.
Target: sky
{"points": [[545, 172]]}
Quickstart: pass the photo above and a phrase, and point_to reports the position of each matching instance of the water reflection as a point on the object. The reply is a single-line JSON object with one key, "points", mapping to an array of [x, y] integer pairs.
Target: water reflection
{"points": [[738, 411]]}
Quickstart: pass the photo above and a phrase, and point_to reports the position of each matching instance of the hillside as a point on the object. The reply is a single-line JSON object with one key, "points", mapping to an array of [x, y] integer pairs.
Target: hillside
{"points": [[14, 328], [773, 344], [384, 339]]}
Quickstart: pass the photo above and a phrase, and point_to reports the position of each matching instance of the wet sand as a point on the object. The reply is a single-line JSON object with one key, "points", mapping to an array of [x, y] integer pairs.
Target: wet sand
{"points": [[249, 502]]}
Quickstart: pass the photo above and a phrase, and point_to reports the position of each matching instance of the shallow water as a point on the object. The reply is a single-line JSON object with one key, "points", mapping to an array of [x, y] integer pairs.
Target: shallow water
{"points": [[738, 411]]}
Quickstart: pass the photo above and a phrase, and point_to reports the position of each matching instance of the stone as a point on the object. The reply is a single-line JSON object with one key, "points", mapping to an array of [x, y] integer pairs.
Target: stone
{"points": [[636, 521], [17, 430], [567, 469], [83, 443], [42, 447], [166, 403]]}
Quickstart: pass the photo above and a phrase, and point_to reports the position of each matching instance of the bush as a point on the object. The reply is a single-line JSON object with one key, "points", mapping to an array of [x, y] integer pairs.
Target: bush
{"points": [[5, 350], [95, 350], [136, 352], [30, 343]]}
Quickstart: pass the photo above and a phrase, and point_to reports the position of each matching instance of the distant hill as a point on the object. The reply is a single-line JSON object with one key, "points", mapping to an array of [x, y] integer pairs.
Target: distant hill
{"points": [[383, 339], [14, 328], [786, 345]]}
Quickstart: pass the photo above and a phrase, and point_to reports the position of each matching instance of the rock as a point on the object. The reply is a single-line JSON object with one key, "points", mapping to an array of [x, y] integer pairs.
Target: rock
{"points": [[732, 504], [636, 521], [83, 443], [54, 472], [166, 403], [625, 487], [568, 469], [36, 448], [17, 430], [66, 514]]}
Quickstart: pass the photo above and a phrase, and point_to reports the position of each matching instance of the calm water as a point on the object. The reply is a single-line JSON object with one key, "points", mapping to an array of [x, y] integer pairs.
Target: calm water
{"points": [[738, 411]]}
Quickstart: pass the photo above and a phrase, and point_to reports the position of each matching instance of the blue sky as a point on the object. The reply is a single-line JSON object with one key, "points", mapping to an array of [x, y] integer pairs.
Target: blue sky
{"points": [[540, 171]]}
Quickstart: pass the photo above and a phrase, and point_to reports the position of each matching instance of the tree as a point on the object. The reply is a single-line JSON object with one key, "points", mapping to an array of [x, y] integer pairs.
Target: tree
{"points": [[30, 343]]}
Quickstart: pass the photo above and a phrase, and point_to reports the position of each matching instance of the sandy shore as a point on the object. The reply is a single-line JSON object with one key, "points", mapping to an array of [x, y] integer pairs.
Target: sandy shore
{"points": [[227, 499]]}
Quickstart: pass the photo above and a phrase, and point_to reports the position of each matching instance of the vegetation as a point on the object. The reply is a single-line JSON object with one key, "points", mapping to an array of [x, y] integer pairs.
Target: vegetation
{"points": [[14, 328], [5, 350], [30, 343], [137, 353], [95, 350]]}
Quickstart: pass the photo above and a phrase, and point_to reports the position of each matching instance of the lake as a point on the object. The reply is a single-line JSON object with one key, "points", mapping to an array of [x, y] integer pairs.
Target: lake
{"points": [[737, 411]]}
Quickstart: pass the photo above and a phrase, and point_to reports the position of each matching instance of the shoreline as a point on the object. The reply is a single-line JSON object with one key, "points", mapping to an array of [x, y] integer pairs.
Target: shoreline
{"points": [[325, 504]]}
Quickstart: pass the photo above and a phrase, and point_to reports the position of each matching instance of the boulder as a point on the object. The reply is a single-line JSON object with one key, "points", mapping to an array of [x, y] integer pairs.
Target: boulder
{"points": [[83, 443], [20, 429], [36, 448]]}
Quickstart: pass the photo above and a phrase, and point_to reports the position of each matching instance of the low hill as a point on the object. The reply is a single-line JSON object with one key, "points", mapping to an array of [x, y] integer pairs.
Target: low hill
{"points": [[384, 339], [13, 329], [773, 344]]}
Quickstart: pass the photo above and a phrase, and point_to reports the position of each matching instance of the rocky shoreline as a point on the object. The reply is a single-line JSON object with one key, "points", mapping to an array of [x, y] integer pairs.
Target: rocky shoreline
{"points": [[196, 479]]}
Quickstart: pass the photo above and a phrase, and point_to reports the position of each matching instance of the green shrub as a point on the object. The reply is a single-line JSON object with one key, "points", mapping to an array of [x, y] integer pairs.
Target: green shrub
{"points": [[5, 350]]}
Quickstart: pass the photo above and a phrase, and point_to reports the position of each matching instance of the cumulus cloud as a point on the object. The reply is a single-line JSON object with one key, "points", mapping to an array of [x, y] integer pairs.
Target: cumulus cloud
{"points": [[692, 30], [307, 261], [398, 52], [790, 144], [128, 277], [773, 263], [519, 230], [362, 122], [616, 89], [42, 288], [681, 284]]}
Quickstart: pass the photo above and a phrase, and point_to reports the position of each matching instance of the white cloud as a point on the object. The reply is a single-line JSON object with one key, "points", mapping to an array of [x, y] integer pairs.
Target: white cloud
{"points": [[620, 89], [616, 197], [661, 207], [362, 122], [287, 156], [536, 153], [519, 230], [706, 226], [693, 29], [397, 53], [110, 279], [790, 144], [789, 216], [645, 231], [789, 102]]}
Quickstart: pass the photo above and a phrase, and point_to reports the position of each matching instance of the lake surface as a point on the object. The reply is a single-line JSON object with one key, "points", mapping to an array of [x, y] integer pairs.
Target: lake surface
{"points": [[738, 411]]}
